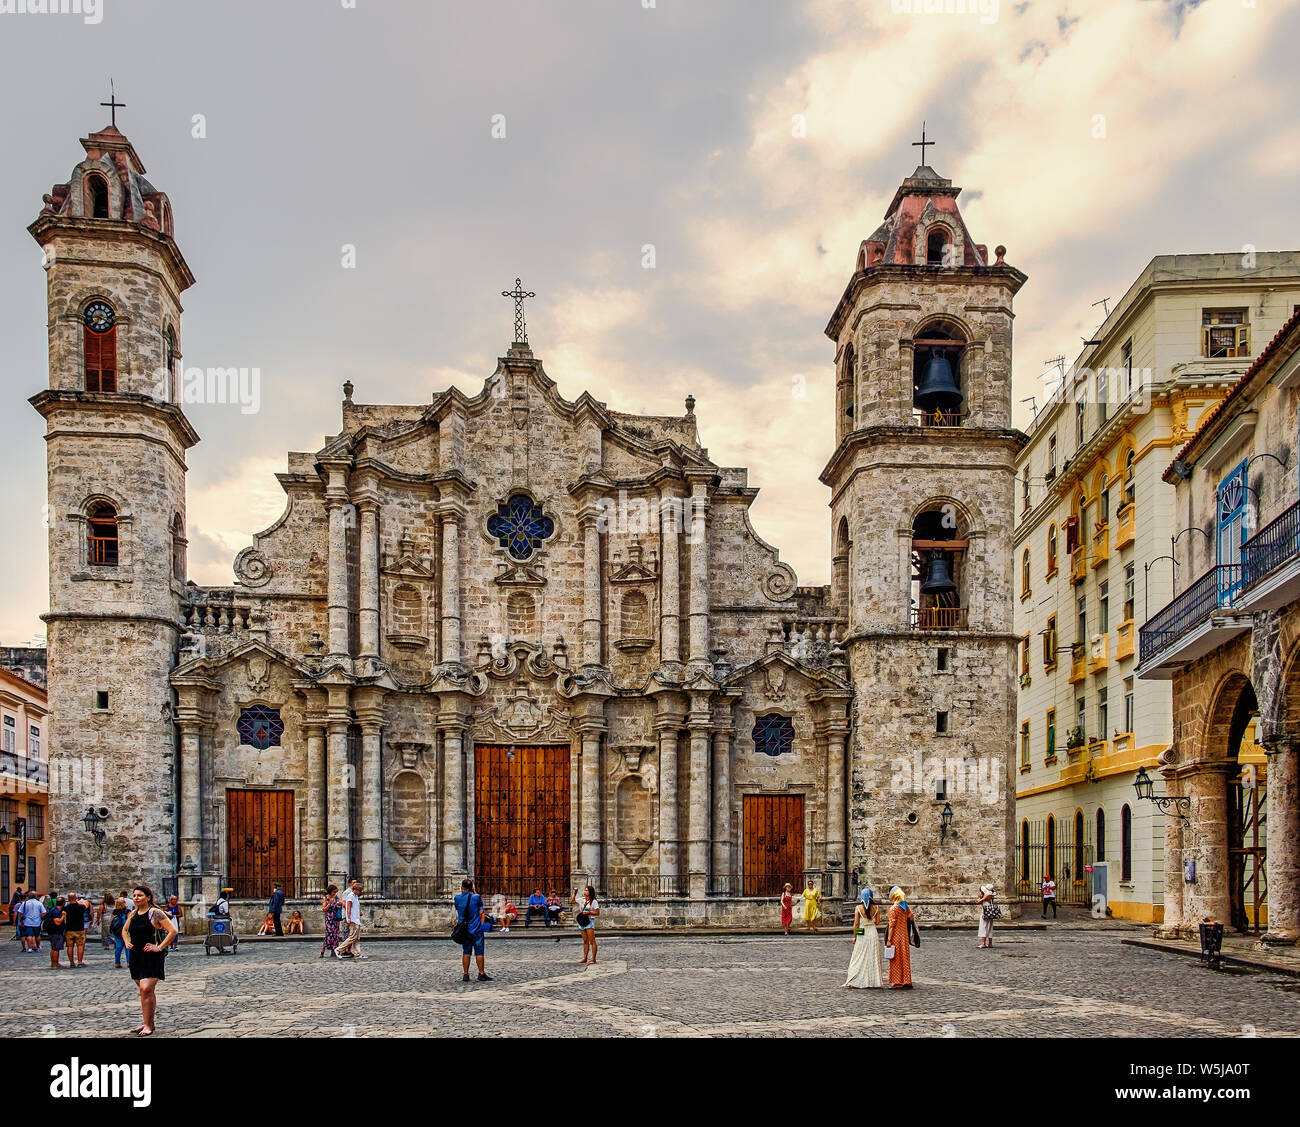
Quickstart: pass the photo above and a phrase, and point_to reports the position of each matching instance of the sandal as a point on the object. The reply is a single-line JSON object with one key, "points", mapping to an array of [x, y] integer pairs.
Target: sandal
{"points": [[137, 1029], [145, 1032]]}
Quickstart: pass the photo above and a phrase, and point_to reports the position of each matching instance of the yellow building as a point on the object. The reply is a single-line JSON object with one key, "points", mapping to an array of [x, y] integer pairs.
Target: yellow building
{"points": [[1095, 528], [24, 786]]}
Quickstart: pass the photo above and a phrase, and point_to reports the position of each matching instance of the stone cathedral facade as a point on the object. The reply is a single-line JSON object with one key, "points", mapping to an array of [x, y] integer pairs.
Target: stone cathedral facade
{"points": [[532, 640]]}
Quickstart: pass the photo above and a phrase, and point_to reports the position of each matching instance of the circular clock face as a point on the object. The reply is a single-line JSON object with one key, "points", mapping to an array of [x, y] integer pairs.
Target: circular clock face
{"points": [[99, 317]]}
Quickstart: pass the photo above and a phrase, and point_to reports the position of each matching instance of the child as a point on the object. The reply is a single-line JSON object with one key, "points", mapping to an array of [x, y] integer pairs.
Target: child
{"points": [[268, 925], [295, 924]]}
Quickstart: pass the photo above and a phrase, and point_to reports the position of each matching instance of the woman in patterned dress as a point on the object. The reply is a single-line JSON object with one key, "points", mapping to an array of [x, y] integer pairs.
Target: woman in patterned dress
{"points": [[332, 911], [787, 907], [900, 966]]}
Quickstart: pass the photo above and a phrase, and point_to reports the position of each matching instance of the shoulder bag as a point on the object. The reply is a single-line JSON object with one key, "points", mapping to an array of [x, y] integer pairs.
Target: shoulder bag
{"points": [[992, 911], [460, 933], [913, 936]]}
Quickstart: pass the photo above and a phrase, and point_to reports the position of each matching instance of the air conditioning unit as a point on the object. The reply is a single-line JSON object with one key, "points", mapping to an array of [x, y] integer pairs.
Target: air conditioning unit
{"points": [[1097, 647]]}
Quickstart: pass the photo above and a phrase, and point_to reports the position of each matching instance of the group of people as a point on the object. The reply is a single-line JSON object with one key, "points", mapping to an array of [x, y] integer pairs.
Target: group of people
{"points": [[473, 922], [63, 922], [867, 964]]}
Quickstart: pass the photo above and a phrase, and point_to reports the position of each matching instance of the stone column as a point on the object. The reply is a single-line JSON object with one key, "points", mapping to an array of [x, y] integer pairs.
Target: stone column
{"points": [[337, 498], [339, 787], [369, 579], [317, 773], [699, 593], [590, 820], [191, 791], [670, 583], [1175, 834], [453, 800], [722, 804], [697, 850], [451, 588], [591, 616], [371, 793], [1208, 845], [835, 798], [668, 843], [1283, 857]]}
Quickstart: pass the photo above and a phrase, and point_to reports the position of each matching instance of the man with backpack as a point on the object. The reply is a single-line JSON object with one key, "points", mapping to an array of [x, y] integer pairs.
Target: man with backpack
{"points": [[56, 927], [76, 912], [116, 923], [32, 912], [470, 920]]}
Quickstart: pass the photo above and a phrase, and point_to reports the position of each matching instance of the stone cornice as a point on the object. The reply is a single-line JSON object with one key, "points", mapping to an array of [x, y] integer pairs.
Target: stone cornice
{"points": [[49, 226]]}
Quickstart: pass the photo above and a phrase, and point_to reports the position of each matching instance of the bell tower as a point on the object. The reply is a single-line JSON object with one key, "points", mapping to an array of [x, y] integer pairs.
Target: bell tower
{"points": [[923, 484], [116, 440]]}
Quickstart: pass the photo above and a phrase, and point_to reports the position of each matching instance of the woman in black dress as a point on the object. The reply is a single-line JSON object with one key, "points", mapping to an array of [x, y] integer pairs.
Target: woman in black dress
{"points": [[147, 955]]}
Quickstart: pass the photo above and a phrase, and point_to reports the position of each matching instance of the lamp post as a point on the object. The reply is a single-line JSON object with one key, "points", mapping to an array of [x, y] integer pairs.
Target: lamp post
{"points": [[92, 820], [946, 818], [5, 835], [1177, 804]]}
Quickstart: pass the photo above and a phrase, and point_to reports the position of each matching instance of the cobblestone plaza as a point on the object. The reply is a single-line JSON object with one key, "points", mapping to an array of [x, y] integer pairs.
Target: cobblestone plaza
{"points": [[1054, 983]]}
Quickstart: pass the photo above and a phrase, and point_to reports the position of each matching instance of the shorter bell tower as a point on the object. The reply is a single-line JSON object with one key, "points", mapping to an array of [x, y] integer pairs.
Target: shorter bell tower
{"points": [[923, 484]]}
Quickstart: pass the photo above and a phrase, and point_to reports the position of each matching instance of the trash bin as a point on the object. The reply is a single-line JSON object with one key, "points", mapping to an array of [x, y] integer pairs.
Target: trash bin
{"points": [[1212, 945]]}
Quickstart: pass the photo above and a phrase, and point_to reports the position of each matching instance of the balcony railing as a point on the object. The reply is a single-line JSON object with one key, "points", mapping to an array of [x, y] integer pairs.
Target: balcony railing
{"points": [[1124, 639], [1078, 663], [939, 418], [1273, 545], [1213, 591], [939, 618], [1101, 545], [1126, 532], [14, 766], [1079, 564]]}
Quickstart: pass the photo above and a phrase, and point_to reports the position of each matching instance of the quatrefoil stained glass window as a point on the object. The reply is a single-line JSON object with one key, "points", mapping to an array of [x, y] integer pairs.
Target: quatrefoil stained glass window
{"points": [[520, 527], [260, 727], [773, 735]]}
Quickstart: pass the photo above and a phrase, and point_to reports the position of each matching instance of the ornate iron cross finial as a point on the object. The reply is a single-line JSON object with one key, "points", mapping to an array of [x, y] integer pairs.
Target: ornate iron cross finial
{"points": [[113, 104], [923, 143], [518, 293]]}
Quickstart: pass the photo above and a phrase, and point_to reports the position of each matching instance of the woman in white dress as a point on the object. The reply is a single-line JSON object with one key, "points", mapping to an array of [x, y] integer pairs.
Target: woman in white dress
{"points": [[986, 922], [866, 968]]}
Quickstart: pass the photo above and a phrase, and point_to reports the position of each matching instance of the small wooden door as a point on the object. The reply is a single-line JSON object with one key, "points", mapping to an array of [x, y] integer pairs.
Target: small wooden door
{"points": [[521, 819], [259, 841], [773, 843]]}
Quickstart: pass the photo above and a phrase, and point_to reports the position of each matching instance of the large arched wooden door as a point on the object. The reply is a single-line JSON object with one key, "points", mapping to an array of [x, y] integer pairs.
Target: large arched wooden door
{"points": [[259, 841], [773, 843]]}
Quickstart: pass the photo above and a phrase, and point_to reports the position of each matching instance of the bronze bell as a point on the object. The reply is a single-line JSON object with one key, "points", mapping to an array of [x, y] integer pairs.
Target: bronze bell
{"points": [[938, 390], [938, 577]]}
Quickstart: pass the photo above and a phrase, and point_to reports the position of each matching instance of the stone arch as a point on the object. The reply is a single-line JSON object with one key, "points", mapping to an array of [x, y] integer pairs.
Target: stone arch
{"points": [[79, 196], [634, 616], [969, 516], [408, 611], [1233, 705], [1285, 718], [944, 324], [409, 828], [937, 237]]}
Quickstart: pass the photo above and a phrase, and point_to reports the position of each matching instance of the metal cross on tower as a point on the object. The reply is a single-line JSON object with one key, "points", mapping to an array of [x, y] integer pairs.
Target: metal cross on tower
{"points": [[923, 143], [113, 104], [518, 293]]}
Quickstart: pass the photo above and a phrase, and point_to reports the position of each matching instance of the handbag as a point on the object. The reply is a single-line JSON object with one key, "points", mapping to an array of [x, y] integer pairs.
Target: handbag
{"points": [[913, 936], [460, 933], [583, 918], [889, 951], [992, 911]]}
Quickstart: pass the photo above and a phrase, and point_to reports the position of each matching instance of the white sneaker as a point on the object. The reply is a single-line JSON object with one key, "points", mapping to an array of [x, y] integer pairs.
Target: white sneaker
{"points": [[336, 953], [360, 957], [505, 931]]}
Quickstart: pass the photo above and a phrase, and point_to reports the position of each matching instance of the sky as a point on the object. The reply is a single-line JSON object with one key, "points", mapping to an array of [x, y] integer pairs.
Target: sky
{"points": [[683, 183]]}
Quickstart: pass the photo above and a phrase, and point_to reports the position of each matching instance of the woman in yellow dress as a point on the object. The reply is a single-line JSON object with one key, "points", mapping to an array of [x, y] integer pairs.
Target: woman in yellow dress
{"points": [[812, 898]]}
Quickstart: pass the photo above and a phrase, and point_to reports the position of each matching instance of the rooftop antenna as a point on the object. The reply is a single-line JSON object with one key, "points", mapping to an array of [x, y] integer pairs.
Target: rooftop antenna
{"points": [[1105, 307], [1033, 405]]}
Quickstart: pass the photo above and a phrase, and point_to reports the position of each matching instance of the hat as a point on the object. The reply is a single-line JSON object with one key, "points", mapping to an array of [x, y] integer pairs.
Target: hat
{"points": [[987, 889], [227, 890]]}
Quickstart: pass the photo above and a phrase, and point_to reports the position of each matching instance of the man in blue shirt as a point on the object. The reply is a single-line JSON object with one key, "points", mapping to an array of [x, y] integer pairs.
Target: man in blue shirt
{"points": [[536, 903], [469, 908], [275, 907]]}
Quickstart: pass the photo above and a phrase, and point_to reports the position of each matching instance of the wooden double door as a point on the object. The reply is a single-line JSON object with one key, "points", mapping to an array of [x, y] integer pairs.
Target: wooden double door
{"points": [[773, 843], [259, 841], [521, 818]]}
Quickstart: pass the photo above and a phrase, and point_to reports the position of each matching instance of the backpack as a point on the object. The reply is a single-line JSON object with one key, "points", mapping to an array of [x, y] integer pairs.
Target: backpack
{"points": [[116, 921]]}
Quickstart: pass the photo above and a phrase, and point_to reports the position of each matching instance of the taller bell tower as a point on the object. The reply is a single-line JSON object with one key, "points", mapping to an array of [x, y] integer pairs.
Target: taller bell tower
{"points": [[923, 483], [116, 440]]}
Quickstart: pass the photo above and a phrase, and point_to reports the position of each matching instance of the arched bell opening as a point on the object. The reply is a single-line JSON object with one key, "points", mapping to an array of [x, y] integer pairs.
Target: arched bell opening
{"points": [[938, 353], [938, 557]]}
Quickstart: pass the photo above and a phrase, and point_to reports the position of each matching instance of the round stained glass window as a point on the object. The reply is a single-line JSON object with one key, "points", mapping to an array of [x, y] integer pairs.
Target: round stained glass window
{"points": [[520, 527], [99, 317]]}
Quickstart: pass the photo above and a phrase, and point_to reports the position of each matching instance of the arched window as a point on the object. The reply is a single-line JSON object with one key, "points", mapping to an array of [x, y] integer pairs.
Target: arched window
{"points": [[773, 734], [521, 615], [634, 617], [1051, 548], [937, 366], [96, 202], [938, 239], [1049, 862], [847, 388], [102, 535], [1024, 573], [1126, 843], [1101, 834], [938, 555], [1024, 849], [178, 548], [99, 342], [173, 382], [1129, 484], [1079, 860]]}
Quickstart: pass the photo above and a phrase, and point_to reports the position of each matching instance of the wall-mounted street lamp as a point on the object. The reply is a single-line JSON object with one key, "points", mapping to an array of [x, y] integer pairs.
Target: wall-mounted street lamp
{"points": [[946, 818], [1146, 580], [92, 820], [1177, 804], [5, 835]]}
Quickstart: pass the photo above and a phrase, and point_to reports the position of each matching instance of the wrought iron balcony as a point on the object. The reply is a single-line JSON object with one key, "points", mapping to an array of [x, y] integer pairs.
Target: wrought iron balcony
{"points": [[1199, 620], [1270, 564], [1126, 531], [34, 772]]}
